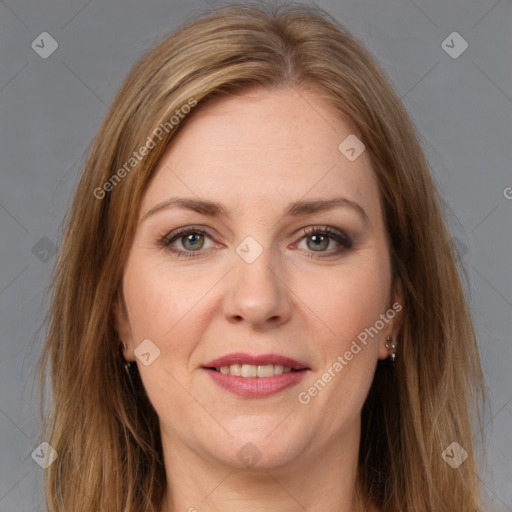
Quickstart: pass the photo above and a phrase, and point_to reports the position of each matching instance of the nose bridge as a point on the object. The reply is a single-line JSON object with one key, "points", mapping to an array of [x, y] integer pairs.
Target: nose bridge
{"points": [[256, 291]]}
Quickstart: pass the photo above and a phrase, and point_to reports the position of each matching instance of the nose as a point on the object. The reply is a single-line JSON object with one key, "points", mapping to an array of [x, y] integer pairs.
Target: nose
{"points": [[258, 293]]}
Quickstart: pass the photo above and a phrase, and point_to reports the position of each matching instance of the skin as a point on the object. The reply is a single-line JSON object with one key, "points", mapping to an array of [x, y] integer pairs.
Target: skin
{"points": [[256, 153]]}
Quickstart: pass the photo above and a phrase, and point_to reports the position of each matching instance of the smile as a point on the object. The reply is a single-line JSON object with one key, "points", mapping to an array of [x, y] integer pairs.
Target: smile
{"points": [[255, 376]]}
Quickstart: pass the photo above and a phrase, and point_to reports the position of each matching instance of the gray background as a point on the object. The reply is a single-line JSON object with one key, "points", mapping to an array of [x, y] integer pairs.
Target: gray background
{"points": [[51, 108]]}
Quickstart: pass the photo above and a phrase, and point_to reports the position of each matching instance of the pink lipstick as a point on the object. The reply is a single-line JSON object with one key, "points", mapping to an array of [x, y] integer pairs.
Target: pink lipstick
{"points": [[255, 376]]}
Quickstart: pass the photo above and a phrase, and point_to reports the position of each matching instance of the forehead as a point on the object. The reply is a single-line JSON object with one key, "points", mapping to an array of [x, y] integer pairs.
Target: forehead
{"points": [[263, 147]]}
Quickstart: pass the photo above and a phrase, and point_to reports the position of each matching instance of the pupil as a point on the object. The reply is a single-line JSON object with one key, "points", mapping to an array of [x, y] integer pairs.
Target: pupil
{"points": [[190, 240], [318, 239]]}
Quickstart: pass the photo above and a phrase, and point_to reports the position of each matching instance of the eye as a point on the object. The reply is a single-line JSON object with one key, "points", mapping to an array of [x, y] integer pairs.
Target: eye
{"points": [[318, 239], [191, 239]]}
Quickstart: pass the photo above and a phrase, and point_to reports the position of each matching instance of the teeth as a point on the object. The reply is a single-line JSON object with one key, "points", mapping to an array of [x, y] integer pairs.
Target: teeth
{"points": [[266, 370], [252, 370], [234, 369], [249, 370]]}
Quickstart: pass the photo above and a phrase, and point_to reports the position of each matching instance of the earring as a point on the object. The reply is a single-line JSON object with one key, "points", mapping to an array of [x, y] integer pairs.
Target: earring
{"points": [[127, 365], [393, 346]]}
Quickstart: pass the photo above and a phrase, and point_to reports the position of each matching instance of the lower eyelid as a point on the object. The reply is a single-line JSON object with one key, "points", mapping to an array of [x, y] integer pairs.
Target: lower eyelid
{"points": [[338, 250]]}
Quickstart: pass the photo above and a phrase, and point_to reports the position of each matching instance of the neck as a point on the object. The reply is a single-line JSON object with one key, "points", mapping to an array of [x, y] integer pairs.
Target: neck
{"points": [[319, 480]]}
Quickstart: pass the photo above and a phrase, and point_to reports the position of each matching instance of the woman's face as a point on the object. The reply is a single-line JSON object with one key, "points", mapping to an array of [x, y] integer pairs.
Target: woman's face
{"points": [[246, 288]]}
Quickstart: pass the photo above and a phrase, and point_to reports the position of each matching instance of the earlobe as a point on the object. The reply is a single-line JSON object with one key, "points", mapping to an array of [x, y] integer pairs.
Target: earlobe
{"points": [[389, 345], [384, 347], [388, 348]]}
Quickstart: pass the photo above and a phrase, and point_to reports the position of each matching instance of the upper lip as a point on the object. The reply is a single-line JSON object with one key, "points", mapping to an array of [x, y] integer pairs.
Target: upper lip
{"points": [[262, 359]]}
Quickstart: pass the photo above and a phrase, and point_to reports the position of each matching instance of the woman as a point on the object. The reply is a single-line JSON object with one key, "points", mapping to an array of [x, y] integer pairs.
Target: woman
{"points": [[256, 303]]}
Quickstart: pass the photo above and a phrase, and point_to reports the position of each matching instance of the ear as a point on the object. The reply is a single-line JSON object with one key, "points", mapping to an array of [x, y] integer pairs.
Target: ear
{"points": [[394, 315], [121, 323]]}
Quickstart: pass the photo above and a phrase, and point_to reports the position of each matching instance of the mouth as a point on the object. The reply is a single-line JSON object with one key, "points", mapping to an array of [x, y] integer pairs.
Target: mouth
{"points": [[255, 376], [246, 365]]}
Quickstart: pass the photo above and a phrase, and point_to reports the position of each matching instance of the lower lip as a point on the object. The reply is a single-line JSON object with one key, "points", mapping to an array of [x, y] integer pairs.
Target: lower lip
{"points": [[256, 387]]}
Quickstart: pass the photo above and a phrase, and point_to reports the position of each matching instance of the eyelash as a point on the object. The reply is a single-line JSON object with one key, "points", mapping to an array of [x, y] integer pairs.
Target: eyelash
{"points": [[338, 236]]}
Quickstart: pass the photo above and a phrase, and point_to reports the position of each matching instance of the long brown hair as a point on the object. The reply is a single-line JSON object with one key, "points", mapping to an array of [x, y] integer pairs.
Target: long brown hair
{"points": [[101, 422]]}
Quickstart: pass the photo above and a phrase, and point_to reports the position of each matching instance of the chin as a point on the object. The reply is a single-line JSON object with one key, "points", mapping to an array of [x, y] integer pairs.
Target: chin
{"points": [[256, 448], [256, 457]]}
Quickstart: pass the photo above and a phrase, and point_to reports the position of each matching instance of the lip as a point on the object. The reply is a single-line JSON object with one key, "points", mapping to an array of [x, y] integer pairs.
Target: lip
{"points": [[241, 358], [256, 387]]}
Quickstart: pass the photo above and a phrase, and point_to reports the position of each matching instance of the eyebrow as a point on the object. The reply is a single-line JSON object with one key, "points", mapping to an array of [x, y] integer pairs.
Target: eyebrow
{"points": [[294, 209]]}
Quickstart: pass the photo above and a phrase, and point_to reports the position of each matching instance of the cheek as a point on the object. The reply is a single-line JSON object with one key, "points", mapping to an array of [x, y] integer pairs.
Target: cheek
{"points": [[347, 300], [345, 344], [166, 311], [159, 299]]}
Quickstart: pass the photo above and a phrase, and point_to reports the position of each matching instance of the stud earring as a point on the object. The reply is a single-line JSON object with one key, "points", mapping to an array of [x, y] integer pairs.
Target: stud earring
{"points": [[391, 345]]}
